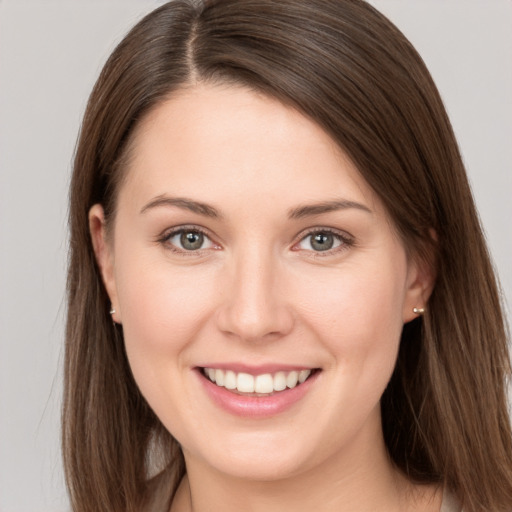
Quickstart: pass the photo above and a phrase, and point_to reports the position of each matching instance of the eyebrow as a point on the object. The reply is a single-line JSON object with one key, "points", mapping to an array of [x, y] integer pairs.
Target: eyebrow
{"points": [[184, 203], [295, 213], [325, 207]]}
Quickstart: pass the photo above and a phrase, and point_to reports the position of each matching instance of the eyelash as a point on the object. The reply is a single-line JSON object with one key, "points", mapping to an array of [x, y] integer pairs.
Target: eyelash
{"points": [[168, 235], [346, 240]]}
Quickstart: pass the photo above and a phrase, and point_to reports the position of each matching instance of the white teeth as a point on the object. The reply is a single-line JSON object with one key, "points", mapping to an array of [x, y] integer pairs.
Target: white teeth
{"points": [[292, 379], [230, 380], [245, 383], [279, 381], [265, 383], [303, 375], [219, 377]]}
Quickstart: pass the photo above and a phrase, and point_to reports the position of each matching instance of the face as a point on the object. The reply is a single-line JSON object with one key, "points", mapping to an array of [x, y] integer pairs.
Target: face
{"points": [[248, 250]]}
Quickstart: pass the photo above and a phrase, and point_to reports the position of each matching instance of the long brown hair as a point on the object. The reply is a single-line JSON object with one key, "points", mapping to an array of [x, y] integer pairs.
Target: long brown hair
{"points": [[346, 67]]}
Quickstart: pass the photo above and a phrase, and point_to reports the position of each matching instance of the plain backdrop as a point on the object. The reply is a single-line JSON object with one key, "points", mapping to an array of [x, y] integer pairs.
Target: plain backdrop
{"points": [[50, 54]]}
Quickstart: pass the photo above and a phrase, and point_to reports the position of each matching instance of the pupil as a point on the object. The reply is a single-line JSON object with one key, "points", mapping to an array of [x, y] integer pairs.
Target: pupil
{"points": [[191, 240], [322, 242]]}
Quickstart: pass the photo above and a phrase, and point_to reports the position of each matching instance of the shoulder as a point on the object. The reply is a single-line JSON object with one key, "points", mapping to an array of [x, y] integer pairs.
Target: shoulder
{"points": [[158, 493], [450, 503]]}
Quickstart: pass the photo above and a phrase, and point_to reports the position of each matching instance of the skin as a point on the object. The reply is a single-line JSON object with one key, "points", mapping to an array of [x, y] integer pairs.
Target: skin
{"points": [[258, 292]]}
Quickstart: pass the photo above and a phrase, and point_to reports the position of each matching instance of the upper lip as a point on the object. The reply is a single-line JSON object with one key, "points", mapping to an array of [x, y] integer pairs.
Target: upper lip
{"points": [[257, 369]]}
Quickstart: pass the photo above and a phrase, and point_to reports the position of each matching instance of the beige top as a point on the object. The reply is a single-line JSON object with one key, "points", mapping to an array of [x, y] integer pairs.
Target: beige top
{"points": [[450, 504]]}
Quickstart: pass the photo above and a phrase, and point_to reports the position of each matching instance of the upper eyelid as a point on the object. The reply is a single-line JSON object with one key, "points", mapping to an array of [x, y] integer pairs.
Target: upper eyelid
{"points": [[169, 232], [333, 231]]}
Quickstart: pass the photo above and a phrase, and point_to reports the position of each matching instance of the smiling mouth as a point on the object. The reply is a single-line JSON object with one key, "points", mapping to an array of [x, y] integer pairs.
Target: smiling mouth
{"points": [[262, 385]]}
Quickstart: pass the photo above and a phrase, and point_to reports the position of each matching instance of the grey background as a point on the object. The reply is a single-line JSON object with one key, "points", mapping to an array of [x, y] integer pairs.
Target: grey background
{"points": [[50, 54]]}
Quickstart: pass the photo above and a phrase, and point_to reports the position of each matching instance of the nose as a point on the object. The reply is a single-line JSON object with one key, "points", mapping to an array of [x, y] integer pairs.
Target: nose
{"points": [[255, 306]]}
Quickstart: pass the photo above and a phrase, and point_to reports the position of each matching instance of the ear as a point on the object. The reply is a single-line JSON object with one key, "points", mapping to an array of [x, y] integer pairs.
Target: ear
{"points": [[419, 286], [103, 250]]}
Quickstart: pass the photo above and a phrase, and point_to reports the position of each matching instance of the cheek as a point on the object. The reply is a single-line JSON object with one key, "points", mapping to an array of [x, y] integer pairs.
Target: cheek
{"points": [[357, 304], [356, 313], [162, 307]]}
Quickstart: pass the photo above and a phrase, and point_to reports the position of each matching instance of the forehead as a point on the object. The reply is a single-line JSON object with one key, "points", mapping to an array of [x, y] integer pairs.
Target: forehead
{"points": [[225, 141]]}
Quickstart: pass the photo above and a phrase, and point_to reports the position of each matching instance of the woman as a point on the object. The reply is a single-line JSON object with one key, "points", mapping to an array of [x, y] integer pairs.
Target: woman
{"points": [[279, 293]]}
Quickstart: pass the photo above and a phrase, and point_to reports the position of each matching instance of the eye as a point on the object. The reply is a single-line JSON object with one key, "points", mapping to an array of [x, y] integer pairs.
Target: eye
{"points": [[188, 240], [323, 240]]}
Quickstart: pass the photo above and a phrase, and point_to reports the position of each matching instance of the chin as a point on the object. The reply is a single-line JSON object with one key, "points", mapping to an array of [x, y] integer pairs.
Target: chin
{"points": [[255, 457]]}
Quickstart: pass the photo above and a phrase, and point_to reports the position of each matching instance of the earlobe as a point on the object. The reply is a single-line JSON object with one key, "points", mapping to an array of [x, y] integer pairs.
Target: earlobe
{"points": [[420, 283], [104, 255]]}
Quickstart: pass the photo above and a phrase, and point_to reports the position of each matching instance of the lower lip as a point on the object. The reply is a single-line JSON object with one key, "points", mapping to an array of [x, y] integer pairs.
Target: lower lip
{"points": [[254, 406]]}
